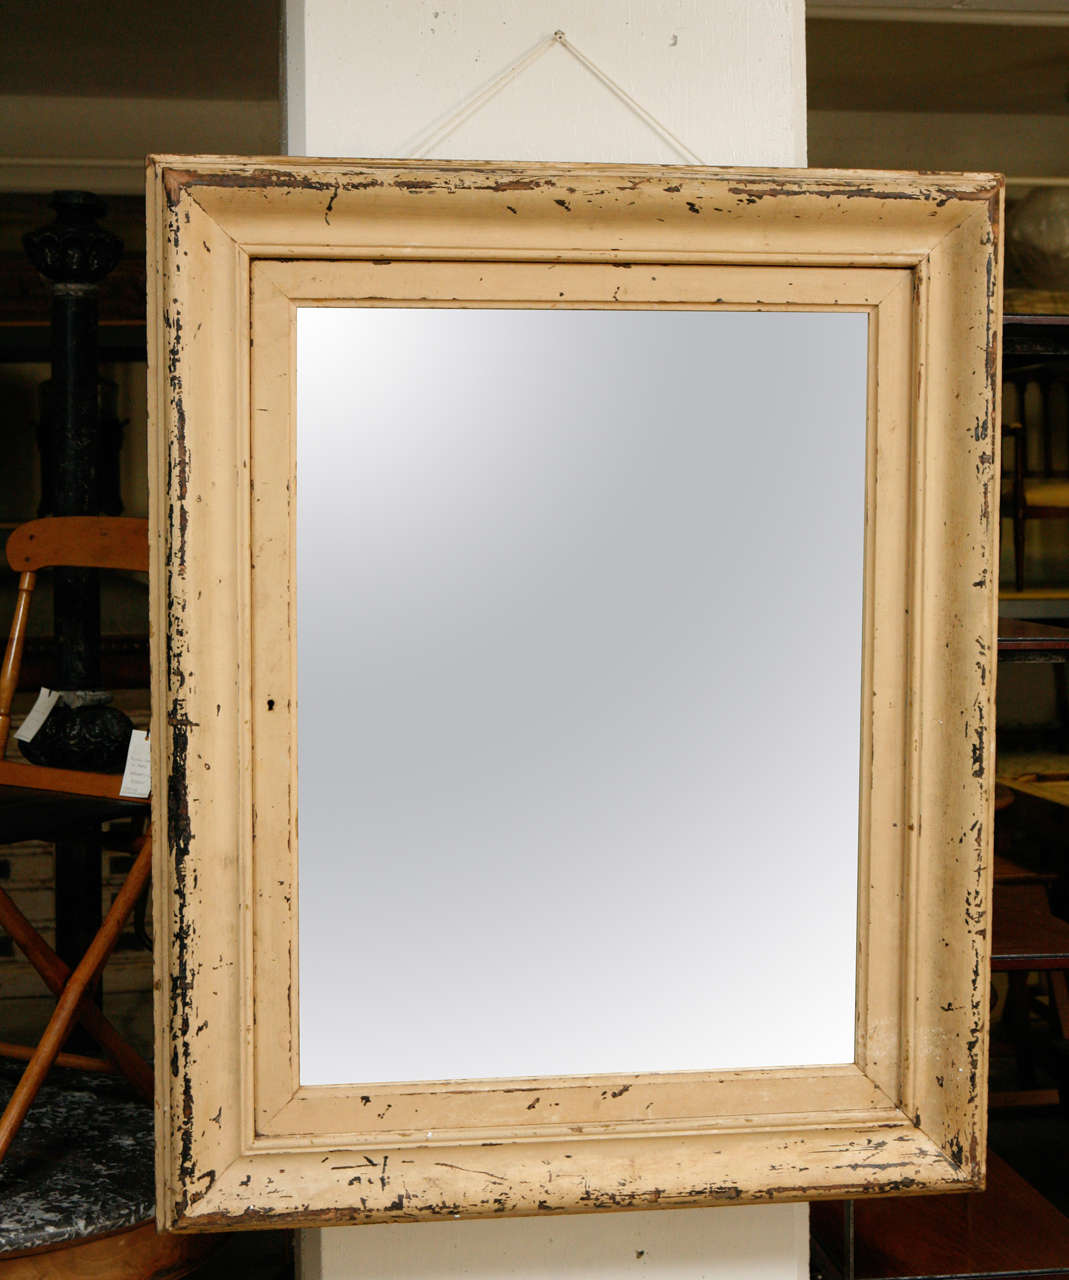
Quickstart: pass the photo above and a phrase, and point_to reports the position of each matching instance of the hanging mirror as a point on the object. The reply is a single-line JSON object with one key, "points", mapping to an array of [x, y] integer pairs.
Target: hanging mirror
{"points": [[574, 600]]}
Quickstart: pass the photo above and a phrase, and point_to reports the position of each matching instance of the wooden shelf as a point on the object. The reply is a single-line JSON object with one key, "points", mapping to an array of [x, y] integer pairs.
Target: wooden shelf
{"points": [[1026, 934], [1009, 1230], [1019, 303]]}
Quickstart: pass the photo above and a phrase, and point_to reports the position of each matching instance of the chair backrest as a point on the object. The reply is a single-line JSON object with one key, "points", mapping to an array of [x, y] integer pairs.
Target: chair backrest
{"points": [[79, 542], [75, 542], [1044, 440]]}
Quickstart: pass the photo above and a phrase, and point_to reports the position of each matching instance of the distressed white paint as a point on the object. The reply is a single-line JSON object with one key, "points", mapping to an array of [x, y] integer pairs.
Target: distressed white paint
{"points": [[727, 77]]}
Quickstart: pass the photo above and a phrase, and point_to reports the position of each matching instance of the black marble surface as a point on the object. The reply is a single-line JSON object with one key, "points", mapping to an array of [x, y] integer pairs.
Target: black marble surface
{"points": [[82, 1163]]}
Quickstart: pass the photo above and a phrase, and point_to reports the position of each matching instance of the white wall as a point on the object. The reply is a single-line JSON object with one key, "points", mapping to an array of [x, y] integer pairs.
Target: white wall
{"points": [[370, 77], [755, 1242], [727, 78]]}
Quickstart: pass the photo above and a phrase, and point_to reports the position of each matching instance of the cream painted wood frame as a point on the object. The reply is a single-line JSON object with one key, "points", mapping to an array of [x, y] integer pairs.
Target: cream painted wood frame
{"points": [[235, 245]]}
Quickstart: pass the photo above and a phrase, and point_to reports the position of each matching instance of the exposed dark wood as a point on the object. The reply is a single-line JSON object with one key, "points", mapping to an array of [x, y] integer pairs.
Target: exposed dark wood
{"points": [[1007, 1231]]}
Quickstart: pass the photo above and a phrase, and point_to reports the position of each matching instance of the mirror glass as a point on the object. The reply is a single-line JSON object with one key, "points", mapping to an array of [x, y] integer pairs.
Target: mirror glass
{"points": [[579, 665]]}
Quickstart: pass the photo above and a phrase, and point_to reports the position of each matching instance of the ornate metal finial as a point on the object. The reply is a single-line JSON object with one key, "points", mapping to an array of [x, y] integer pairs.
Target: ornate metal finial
{"points": [[73, 249]]}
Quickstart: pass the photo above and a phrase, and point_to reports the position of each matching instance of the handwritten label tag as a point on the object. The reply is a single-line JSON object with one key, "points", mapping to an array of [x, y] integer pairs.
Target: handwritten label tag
{"points": [[136, 778], [38, 714]]}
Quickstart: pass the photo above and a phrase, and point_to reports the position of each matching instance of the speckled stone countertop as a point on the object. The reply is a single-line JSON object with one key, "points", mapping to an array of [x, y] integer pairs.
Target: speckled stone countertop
{"points": [[82, 1163]]}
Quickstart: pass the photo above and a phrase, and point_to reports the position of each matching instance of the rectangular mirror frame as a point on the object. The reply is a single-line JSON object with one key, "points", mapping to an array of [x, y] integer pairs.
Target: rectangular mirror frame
{"points": [[235, 245]]}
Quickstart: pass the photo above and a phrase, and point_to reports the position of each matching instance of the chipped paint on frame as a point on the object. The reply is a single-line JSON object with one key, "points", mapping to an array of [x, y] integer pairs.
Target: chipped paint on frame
{"points": [[232, 243]]}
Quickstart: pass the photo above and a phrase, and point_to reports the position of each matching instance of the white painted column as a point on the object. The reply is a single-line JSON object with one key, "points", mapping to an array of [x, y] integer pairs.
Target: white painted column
{"points": [[384, 78]]}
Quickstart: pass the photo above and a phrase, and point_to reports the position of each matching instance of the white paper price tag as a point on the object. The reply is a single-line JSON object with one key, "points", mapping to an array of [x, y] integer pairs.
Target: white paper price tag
{"points": [[136, 778], [46, 700]]}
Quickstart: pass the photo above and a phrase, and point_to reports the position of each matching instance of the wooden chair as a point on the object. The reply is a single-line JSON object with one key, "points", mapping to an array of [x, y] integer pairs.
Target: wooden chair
{"points": [[1038, 487], [67, 796]]}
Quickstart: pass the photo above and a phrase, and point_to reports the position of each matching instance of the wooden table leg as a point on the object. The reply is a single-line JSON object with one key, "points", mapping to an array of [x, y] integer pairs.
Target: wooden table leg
{"points": [[67, 1006], [1059, 998], [55, 974]]}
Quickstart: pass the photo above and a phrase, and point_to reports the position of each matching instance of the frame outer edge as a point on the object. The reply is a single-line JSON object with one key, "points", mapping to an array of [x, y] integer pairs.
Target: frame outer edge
{"points": [[199, 1078], [958, 595], [497, 1180], [196, 1197], [158, 625]]}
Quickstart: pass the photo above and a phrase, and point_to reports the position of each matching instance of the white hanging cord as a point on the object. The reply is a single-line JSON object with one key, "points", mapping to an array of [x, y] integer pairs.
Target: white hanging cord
{"points": [[627, 99], [476, 103], [469, 108]]}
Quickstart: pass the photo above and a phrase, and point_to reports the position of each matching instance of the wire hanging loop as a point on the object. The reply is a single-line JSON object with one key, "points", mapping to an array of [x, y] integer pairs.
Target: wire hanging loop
{"points": [[479, 100], [645, 116]]}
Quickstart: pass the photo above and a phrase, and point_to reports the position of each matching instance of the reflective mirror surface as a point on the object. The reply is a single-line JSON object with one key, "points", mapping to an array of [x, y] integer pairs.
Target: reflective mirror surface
{"points": [[579, 637]]}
